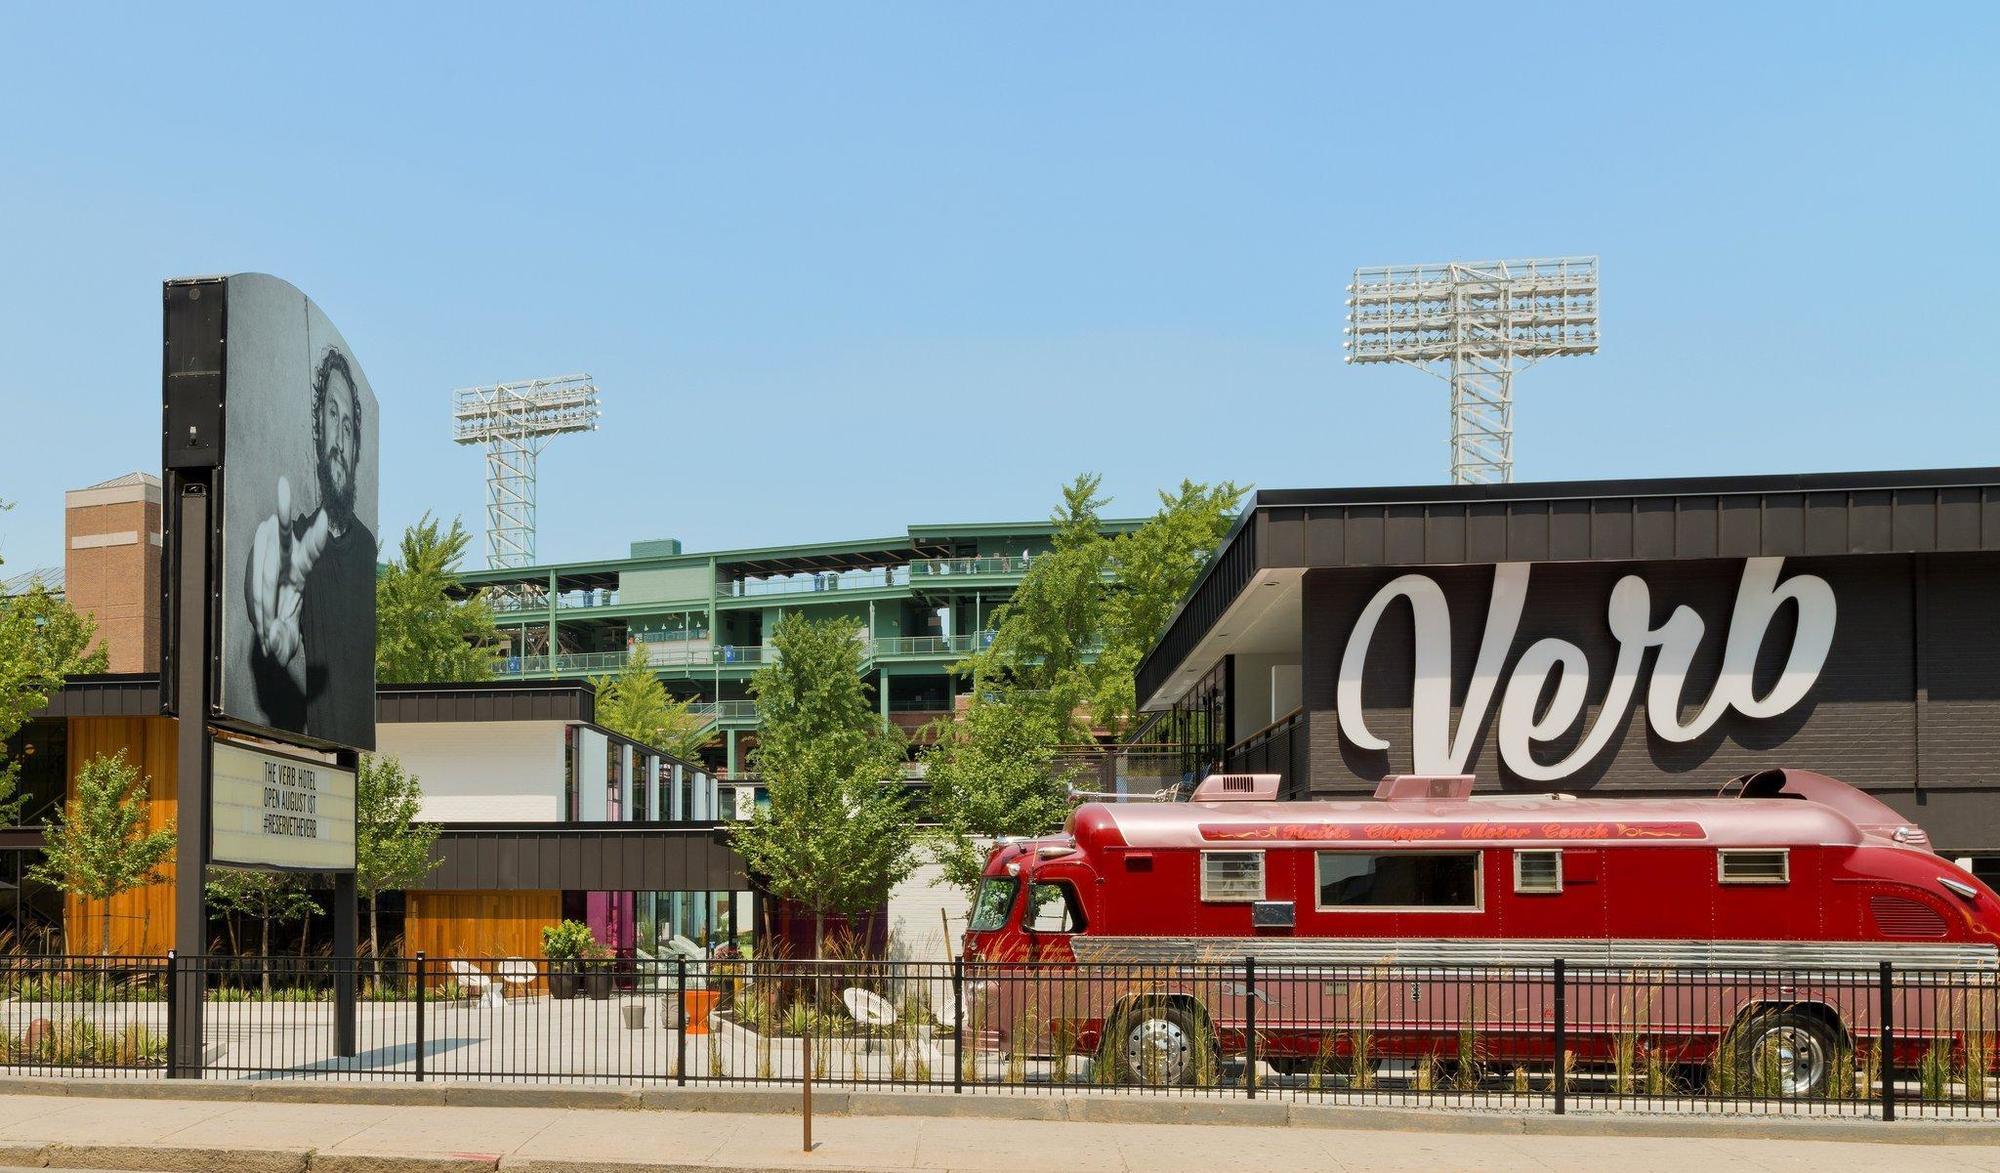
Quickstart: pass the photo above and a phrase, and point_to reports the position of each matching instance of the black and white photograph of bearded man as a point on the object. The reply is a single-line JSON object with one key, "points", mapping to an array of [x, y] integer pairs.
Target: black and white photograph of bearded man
{"points": [[311, 574]]}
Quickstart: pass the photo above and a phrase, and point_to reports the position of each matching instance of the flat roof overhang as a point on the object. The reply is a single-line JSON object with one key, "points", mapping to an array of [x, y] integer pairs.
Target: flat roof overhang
{"points": [[1816, 514]]}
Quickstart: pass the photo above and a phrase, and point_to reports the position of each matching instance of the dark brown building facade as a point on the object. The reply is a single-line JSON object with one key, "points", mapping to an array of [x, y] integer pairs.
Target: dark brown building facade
{"points": [[1638, 637]]}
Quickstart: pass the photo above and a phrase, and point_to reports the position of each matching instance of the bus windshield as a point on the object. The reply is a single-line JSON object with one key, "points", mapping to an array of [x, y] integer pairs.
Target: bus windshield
{"points": [[991, 906]]}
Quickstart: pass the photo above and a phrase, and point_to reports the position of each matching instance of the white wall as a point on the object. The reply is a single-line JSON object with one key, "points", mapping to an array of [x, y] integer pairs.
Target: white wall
{"points": [[594, 779], [483, 771]]}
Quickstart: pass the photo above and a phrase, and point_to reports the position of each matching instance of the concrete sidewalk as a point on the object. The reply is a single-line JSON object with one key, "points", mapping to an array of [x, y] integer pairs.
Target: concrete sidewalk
{"points": [[84, 1131]]}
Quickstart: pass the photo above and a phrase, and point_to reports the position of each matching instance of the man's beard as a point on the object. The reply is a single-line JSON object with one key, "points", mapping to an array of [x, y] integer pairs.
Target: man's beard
{"points": [[338, 502]]}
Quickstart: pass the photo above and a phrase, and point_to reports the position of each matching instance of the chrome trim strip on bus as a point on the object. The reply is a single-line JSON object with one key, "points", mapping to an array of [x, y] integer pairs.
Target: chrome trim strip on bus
{"points": [[1279, 951]]}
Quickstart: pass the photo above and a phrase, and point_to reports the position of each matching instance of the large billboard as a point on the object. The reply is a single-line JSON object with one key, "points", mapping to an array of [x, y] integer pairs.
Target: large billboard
{"points": [[295, 566]]}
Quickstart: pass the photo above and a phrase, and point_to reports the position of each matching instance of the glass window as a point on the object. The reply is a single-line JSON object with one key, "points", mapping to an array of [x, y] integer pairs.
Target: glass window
{"points": [[1232, 877], [1431, 880], [991, 906], [1055, 908], [1771, 866], [1538, 871]]}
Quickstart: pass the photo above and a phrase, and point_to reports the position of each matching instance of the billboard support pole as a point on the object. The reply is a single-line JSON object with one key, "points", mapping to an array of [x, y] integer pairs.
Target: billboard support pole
{"points": [[346, 921], [191, 803]]}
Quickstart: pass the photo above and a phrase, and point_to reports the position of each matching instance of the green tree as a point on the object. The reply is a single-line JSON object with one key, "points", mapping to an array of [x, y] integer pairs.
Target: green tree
{"points": [[42, 641], [997, 772], [392, 850], [100, 848], [422, 633], [1156, 565], [1085, 614], [1044, 634], [838, 834], [636, 704], [266, 897]]}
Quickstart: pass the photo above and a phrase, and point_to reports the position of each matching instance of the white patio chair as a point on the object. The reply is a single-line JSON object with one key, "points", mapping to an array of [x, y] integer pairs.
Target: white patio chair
{"points": [[517, 971], [472, 977]]}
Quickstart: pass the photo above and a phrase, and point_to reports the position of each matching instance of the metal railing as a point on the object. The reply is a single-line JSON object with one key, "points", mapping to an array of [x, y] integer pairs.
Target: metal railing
{"points": [[1863, 1042], [985, 564], [845, 580]]}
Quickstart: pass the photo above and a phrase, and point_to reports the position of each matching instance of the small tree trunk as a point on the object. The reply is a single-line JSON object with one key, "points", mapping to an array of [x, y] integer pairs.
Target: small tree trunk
{"points": [[819, 935], [374, 939], [104, 931], [264, 953]]}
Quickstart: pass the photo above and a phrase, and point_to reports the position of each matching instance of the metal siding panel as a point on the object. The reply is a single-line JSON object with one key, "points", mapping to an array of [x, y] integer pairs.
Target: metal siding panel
{"points": [[1444, 533], [1989, 518], [1486, 532], [1914, 520], [1364, 535], [1958, 519], [1740, 528], [1611, 528], [1784, 524], [1528, 532], [1325, 544], [1695, 526], [1569, 530], [1284, 542], [1403, 535], [1653, 527], [1826, 523], [1871, 523]]}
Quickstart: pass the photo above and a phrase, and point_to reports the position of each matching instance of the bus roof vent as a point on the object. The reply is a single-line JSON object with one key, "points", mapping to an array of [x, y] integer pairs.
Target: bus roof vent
{"points": [[1238, 788], [1445, 787]]}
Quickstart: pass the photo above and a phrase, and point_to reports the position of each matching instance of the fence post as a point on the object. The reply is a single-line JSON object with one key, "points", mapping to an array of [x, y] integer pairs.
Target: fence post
{"points": [[1250, 1027], [1886, 1045], [420, 1015], [958, 1025], [173, 1007], [1560, 1083], [681, 1016]]}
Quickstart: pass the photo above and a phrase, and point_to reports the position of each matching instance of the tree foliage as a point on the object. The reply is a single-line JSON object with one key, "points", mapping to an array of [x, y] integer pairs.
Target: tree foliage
{"points": [[422, 633], [1061, 660], [838, 833], [392, 850], [636, 704], [1086, 613], [42, 640], [100, 848], [997, 772]]}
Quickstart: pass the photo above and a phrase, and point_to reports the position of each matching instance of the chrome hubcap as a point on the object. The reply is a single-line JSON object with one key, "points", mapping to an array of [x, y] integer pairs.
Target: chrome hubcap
{"points": [[1157, 1050], [1792, 1057]]}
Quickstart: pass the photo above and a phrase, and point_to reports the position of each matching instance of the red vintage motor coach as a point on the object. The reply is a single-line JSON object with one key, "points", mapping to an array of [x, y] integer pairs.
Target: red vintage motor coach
{"points": [[1765, 890]]}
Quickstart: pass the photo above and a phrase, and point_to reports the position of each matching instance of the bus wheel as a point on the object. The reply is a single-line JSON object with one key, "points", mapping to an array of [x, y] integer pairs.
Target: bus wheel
{"points": [[1786, 1054], [1160, 1045]]}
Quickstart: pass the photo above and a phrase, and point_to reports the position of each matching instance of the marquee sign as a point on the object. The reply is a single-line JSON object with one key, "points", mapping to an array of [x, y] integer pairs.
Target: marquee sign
{"points": [[1523, 723], [277, 811]]}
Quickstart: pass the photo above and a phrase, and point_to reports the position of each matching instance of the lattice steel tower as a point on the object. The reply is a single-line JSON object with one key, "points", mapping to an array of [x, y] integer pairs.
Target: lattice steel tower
{"points": [[515, 421], [1483, 320]]}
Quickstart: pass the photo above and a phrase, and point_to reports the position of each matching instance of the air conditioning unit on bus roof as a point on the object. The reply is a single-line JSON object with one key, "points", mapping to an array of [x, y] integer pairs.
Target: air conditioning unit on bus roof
{"points": [[1238, 788], [1444, 787]]}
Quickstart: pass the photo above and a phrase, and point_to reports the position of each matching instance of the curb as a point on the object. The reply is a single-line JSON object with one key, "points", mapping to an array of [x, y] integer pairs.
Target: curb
{"points": [[1097, 1109]]}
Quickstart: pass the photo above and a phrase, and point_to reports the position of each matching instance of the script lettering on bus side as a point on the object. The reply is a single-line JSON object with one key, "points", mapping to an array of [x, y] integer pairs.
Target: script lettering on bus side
{"points": [[1608, 831]]}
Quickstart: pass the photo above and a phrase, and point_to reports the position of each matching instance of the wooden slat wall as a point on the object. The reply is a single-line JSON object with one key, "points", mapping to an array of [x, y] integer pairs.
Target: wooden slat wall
{"points": [[446, 925], [142, 921]]}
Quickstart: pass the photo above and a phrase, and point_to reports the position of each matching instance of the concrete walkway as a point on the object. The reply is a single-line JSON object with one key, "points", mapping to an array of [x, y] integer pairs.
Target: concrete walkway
{"points": [[152, 1132]]}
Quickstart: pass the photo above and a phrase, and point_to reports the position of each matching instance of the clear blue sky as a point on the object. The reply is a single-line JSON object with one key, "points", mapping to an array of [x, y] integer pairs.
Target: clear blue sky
{"points": [[841, 268]]}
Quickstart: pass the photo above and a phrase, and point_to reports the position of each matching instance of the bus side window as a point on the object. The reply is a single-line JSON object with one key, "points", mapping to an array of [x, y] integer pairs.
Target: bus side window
{"points": [[1054, 908]]}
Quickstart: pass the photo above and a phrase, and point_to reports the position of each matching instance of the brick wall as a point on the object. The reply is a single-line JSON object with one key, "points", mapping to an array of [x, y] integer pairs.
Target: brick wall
{"points": [[112, 567]]}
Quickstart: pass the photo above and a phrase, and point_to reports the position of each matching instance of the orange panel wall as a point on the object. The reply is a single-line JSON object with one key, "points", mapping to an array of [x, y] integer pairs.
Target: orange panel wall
{"points": [[142, 921]]}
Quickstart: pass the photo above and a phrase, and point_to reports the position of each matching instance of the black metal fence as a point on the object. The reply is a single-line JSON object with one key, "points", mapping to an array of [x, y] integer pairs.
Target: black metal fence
{"points": [[1878, 1041]]}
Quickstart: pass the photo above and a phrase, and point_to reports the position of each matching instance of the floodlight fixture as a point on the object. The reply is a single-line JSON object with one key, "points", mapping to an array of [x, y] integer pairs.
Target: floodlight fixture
{"points": [[1474, 324], [515, 421]]}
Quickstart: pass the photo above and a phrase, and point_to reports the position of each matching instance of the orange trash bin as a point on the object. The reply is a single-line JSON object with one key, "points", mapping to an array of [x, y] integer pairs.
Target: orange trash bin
{"points": [[695, 1007]]}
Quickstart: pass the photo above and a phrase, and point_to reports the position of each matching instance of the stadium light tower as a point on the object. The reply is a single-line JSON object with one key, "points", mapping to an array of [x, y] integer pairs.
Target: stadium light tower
{"points": [[515, 422], [1482, 320]]}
